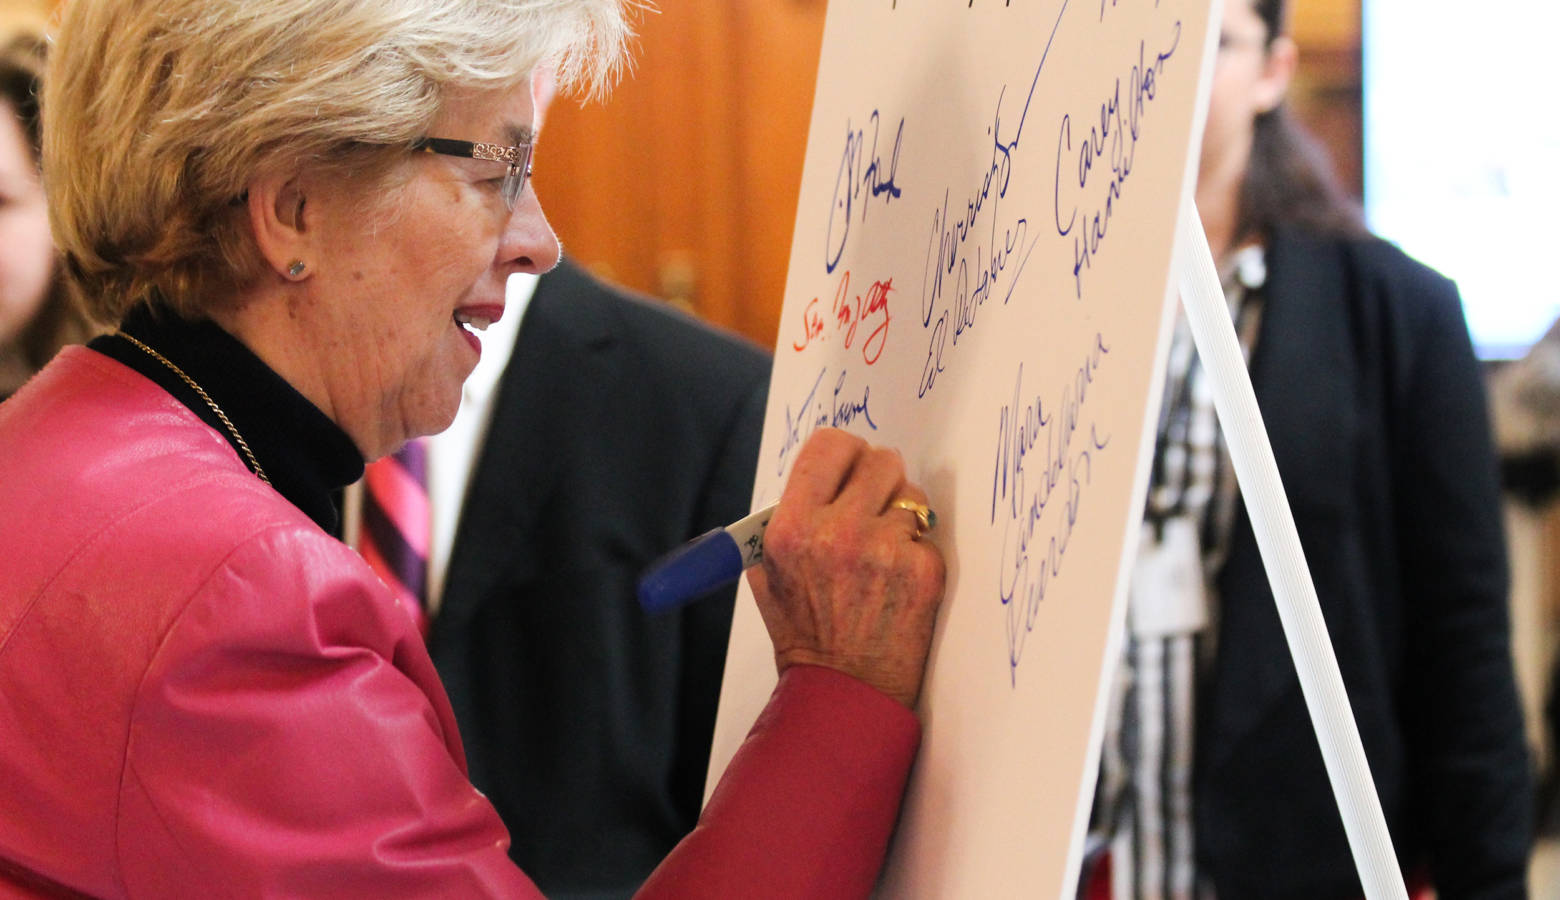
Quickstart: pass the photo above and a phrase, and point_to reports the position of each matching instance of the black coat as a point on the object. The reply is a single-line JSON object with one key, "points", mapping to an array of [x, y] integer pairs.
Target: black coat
{"points": [[620, 430], [1375, 406]]}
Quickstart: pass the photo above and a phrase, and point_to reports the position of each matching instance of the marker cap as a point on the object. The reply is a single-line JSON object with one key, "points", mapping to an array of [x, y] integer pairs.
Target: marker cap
{"points": [[690, 572]]}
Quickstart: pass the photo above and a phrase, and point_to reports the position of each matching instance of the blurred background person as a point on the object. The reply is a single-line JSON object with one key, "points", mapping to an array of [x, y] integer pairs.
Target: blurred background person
{"points": [[37, 314], [1212, 783], [1525, 402]]}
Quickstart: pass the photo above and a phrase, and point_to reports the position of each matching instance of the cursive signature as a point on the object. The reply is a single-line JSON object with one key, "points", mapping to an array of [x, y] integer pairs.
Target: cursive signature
{"points": [[852, 180], [969, 251], [841, 409], [1115, 135], [848, 315], [1022, 496]]}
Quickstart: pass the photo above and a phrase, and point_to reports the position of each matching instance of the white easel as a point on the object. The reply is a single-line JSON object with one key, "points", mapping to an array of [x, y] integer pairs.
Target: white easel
{"points": [[1257, 473]]}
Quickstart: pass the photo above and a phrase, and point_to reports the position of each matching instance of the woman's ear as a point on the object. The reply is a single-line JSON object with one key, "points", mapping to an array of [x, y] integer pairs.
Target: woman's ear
{"points": [[1278, 70], [279, 217]]}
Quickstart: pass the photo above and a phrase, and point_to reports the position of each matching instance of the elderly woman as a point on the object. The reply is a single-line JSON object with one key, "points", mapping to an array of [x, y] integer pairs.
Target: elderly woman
{"points": [[37, 316], [300, 213]]}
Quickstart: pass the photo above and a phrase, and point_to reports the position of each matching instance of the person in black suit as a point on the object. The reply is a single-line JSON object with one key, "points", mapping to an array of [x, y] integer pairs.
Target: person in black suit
{"points": [[620, 428], [1212, 782]]}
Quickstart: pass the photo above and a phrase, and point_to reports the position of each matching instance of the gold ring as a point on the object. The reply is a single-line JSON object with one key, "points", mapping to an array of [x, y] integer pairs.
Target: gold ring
{"points": [[925, 518]]}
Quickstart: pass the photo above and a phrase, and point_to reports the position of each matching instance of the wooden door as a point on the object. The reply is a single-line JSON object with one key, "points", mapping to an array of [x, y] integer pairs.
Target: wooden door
{"points": [[684, 183]]}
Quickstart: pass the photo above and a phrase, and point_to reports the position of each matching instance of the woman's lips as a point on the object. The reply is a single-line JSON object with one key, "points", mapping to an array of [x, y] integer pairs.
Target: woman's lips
{"points": [[472, 319]]}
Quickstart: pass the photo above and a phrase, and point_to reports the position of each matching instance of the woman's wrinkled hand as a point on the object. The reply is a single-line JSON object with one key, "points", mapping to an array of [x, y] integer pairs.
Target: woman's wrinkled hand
{"points": [[845, 582]]}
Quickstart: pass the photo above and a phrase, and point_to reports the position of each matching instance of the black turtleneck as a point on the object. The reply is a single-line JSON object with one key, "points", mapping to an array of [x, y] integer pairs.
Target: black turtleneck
{"points": [[307, 457]]}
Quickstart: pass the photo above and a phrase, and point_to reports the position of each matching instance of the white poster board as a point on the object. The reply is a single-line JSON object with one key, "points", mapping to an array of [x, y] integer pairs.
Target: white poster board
{"points": [[981, 277]]}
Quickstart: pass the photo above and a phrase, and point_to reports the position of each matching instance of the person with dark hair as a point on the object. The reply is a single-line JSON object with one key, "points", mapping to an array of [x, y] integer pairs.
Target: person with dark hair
{"points": [[37, 316], [1211, 780]]}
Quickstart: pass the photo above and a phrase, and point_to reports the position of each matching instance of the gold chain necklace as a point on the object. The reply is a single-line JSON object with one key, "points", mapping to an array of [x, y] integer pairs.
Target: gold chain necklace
{"points": [[254, 464]]}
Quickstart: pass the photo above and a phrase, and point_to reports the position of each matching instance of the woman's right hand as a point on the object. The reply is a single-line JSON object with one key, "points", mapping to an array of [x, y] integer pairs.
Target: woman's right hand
{"points": [[846, 580]]}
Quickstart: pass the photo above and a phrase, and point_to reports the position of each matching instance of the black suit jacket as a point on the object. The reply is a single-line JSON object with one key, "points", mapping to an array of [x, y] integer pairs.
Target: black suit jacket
{"points": [[621, 429], [1375, 406]]}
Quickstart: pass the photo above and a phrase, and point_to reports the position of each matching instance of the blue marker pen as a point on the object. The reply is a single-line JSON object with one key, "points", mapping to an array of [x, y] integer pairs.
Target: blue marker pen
{"points": [[705, 563], [719, 557]]}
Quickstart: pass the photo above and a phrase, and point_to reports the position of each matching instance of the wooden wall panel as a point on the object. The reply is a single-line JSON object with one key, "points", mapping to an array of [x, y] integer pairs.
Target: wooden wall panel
{"points": [[1325, 23], [684, 183]]}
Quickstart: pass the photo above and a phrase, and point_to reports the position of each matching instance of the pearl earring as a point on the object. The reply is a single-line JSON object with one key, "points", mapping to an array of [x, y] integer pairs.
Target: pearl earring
{"points": [[296, 268]]}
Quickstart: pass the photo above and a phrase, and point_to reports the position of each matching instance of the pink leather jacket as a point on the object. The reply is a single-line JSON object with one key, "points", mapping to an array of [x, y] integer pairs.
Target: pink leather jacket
{"points": [[203, 694]]}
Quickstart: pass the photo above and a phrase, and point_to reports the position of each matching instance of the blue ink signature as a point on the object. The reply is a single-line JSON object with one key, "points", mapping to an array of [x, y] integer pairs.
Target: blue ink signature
{"points": [[841, 410], [851, 179], [1067, 467], [1113, 6], [946, 251], [1113, 136]]}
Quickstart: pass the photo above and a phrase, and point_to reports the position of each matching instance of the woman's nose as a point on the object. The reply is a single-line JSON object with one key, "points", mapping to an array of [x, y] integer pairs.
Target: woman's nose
{"points": [[528, 243]]}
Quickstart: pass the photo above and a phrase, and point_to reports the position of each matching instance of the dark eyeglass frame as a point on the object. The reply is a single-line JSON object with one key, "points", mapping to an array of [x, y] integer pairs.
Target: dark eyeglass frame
{"points": [[518, 157], [1229, 41]]}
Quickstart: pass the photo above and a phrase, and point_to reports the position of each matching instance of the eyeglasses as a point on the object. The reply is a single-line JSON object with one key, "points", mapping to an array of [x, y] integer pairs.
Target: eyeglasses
{"points": [[1229, 41], [518, 157]]}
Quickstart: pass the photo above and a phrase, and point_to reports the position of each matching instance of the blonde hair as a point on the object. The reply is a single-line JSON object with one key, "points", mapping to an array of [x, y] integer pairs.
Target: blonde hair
{"points": [[158, 112]]}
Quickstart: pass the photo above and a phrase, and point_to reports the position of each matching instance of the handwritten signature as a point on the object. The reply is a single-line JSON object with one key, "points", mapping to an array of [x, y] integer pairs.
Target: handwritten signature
{"points": [[852, 179], [947, 255], [1113, 6], [1116, 135], [842, 409], [848, 316], [1029, 561]]}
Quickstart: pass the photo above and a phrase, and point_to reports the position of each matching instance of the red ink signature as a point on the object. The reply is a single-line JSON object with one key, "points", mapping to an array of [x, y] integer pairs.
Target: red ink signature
{"points": [[849, 314]]}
